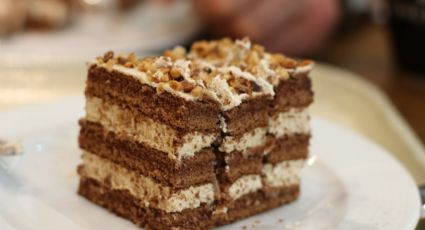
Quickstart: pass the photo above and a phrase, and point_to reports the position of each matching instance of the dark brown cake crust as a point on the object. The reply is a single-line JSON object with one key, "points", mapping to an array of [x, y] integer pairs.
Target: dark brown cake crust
{"points": [[293, 92], [258, 202], [292, 147], [147, 161], [122, 203], [247, 116], [235, 165]]}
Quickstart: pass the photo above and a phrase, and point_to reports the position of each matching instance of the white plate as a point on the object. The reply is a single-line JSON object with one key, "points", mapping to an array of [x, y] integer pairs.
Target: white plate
{"points": [[348, 183]]}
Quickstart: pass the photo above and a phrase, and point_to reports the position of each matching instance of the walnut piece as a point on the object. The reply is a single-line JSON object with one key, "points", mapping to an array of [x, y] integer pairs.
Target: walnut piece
{"points": [[108, 55]]}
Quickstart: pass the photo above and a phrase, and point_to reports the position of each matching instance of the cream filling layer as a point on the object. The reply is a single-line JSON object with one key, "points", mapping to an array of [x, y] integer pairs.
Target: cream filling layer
{"points": [[244, 185], [254, 138], [149, 192], [154, 134], [295, 120], [284, 173]]}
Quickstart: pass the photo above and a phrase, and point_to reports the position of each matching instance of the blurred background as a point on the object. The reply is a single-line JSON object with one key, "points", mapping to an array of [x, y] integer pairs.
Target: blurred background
{"points": [[44, 45], [381, 40]]}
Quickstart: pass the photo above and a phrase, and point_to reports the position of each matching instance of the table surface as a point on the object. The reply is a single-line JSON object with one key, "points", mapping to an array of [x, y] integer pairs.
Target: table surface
{"points": [[367, 51]]}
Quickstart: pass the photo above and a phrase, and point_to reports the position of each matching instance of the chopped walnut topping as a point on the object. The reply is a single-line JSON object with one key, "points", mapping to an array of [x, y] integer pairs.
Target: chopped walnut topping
{"points": [[160, 88], [175, 73], [289, 63], [129, 64], [146, 65], [282, 73], [244, 86], [252, 58], [132, 58], [187, 86], [108, 55], [258, 48], [176, 85], [197, 91], [121, 60], [224, 70], [110, 64], [201, 48], [178, 52], [100, 60], [305, 63], [245, 43], [206, 78]]}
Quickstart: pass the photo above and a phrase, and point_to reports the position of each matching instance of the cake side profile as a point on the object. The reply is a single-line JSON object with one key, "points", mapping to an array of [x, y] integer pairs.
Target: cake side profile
{"points": [[197, 139]]}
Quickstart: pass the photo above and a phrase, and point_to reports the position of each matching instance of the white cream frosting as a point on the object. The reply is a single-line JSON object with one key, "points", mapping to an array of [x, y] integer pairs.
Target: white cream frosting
{"points": [[220, 211], [151, 193], [254, 138], [295, 120], [244, 185], [194, 142], [222, 89], [161, 62], [244, 43], [154, 134], [282, 174], [302, 69], [223, 124]]}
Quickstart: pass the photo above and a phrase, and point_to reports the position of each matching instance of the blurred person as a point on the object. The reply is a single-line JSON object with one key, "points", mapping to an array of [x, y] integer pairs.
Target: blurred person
{"points": [[12, 17], [17, 15], [300, 27]]}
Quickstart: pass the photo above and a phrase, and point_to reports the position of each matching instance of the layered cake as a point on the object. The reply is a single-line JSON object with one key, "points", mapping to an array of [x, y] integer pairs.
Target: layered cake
{"points": [[195, 139]]}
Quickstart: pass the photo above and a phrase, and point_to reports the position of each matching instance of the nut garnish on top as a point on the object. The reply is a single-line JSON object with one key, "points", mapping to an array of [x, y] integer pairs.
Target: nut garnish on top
{"points": [[224, 70]]}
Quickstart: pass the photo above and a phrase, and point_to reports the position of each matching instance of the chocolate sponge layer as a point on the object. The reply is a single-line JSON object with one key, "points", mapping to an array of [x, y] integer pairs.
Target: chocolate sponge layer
{"points": [[147, 161], [122, 203], [181, 114]]}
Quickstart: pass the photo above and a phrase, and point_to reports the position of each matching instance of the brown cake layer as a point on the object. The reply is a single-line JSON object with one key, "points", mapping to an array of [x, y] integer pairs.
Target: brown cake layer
{"points": [[183, 115], [286, 148], [293, 92], [247, 116], [231, 167], [122, 203], [258, 202], [148, 161]]}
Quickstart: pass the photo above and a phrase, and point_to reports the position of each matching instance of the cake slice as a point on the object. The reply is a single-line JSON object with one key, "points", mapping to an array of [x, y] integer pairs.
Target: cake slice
{"points": [[197, 139]]}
